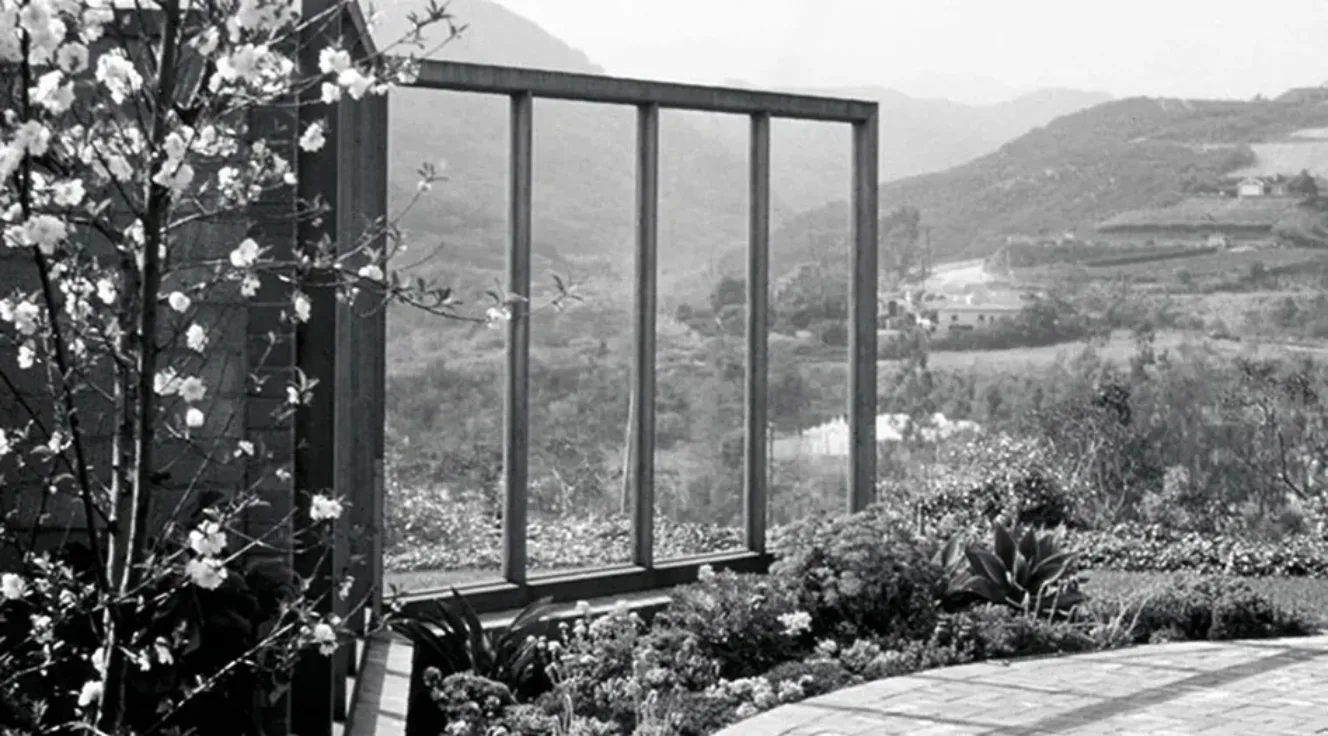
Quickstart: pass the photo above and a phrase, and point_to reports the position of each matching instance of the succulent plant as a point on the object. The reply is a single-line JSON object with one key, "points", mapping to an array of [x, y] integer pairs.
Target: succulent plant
{"points": [[1033, 574]]}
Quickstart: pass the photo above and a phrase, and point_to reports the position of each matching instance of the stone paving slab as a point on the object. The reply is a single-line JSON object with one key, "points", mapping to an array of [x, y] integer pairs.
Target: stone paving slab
{"points": [[1250, 688]]}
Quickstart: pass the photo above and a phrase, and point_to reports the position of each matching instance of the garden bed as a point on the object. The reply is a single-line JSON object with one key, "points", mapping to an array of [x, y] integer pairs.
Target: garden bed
{"points": [[848, 600]]}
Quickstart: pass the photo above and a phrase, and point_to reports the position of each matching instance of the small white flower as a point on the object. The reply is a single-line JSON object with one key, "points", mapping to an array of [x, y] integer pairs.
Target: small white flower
{"points": [[165, 382], [324, 508], [208, 540], [72, 58], [332, 60], [196, 337], [106, 291], [495, 315], [705, 573], [179, 301], [244, 448], [90, 693], [27, 356], [245, 254], [302, 305], [13, 586], [583, 608], [313, 138], [194, 417], [371, 272], [796, 623], [326, 638], [192, 390], [205, 572]]}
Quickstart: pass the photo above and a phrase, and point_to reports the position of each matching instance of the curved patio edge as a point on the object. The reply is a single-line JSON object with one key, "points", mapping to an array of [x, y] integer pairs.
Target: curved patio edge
{"points": [[1252, 687]]}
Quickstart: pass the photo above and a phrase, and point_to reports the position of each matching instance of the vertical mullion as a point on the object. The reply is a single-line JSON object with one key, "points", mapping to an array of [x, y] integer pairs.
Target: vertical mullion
{"points": [[516, 414], [862, 318], [755, 487], [643, 435], [377, 375]]}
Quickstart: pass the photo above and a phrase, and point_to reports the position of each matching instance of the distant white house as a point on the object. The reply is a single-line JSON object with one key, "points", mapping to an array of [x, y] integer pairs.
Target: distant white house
{"points": [[976, 311], [831, 439], [1251, 187]]}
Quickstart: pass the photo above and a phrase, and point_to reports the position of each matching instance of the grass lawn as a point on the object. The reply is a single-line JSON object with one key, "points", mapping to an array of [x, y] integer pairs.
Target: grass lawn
{"points": [[1306, 594]]}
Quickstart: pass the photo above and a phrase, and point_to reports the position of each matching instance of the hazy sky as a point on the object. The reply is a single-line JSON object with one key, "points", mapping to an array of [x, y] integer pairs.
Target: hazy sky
{"points": [[974, 50]]}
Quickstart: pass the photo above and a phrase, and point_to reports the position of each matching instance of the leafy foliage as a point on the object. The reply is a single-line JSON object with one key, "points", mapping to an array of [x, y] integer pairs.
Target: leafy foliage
{"points": [[1032, 573], [860, 575], [450, 638]]}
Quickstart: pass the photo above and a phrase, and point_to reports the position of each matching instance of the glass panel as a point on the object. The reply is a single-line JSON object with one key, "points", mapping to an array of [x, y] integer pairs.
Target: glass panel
{"points": [[581, 350], [809, 271], [702, 333], [444, 389]]}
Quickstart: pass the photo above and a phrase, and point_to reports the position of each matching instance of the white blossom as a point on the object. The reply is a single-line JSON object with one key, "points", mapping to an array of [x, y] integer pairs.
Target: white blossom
{"points": [[371, 272], [245, 254], [209, 539], [90, 693], [178, 301], [302, 306], [205, 572], [13, 586], [325, 637], [72, 58], [194, 417], [796, 623], [166, 382], [191, 389], [196, 338], [27, 356], [68, 193], [45, 232], [313, 138], [106, 291], [53, 92], [324, 508], [117, 73]]}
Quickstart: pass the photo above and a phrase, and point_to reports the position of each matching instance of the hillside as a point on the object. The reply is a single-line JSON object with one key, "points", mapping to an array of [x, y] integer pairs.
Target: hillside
{"points": [[584, 178], [1081, 169], [810, 160]]}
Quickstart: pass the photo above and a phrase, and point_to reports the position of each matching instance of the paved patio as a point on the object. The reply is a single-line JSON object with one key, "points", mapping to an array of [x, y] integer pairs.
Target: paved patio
{"points": [[1276, 686]]}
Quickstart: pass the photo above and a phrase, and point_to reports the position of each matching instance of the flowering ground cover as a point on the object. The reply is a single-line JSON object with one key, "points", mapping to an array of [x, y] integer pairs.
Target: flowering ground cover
{"points": [[848, 599]]}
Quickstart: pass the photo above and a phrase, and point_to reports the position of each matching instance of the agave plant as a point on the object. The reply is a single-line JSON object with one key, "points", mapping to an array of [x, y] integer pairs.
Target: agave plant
{"points": [[450, 638], [1031, 575]]}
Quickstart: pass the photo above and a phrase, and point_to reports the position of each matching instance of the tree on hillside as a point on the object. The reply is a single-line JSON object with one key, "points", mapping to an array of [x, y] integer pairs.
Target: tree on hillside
{"points": [[1304, 185], [900, 234]]}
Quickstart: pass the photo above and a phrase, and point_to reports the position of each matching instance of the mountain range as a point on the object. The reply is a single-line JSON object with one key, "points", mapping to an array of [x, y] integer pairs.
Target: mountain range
{"points": [[1077, 171], [584, 179]]}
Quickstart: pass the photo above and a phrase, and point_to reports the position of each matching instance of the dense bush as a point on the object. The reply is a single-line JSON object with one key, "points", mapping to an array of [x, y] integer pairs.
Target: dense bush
{"points": [[1138, 548], [744, 622], [1196, 608], [861, 575]]}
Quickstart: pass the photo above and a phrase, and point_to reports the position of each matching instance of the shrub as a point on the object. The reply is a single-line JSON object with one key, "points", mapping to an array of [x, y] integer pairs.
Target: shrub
{"points": [[1135, 548], [999, 632], [746, 623], [860, 575], [1029, 572], [816, 676], [1213, 608], [469, 705], [450, 638]]}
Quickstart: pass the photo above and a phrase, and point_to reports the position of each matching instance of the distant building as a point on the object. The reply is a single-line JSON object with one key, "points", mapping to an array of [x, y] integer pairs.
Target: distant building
{"points": [[1251, 186], [1304, 95], [977, 311], [1249, 220]]}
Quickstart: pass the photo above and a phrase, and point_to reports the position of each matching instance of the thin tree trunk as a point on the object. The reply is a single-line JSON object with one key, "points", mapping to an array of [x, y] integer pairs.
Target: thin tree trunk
{"points": [[629, 456]]}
